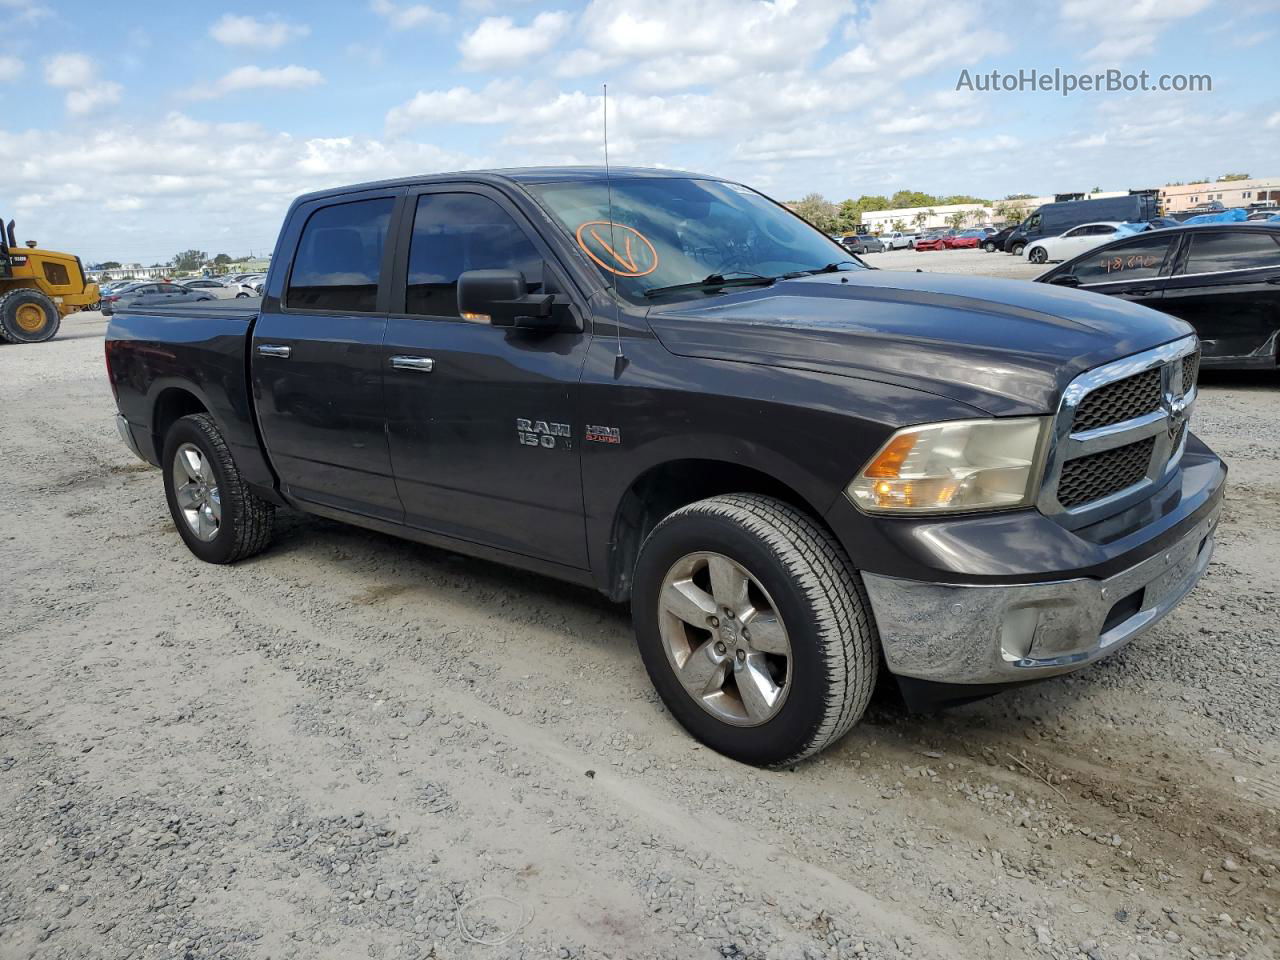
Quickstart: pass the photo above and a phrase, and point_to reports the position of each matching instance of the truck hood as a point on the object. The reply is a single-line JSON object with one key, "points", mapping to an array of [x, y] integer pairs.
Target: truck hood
{"points": [[1006, 347]]}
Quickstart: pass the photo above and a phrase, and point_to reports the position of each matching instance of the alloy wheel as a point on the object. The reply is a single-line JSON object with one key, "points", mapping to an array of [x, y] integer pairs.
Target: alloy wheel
{"points": [[725, 639], [196, 489]]}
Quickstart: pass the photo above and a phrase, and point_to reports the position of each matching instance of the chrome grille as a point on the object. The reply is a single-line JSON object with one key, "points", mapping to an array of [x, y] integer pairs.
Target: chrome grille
{"points": [[1101, 474], [1190, 370], [1119, 401], [1119, 431]]}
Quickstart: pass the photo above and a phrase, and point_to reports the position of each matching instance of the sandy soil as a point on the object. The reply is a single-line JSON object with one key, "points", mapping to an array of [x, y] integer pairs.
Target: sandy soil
{"points": [[353, 746]]}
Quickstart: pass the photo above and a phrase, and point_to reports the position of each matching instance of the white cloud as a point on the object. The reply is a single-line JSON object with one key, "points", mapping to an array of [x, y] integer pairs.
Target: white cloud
{"points": [[69, 70], [11, 68], [22, 11], [78, 75], [240, 31], [907, 38], [677, 44], [1273, 121], [1124, 30], [291, 77], [409, 16], [498, 43], [87, 99]]}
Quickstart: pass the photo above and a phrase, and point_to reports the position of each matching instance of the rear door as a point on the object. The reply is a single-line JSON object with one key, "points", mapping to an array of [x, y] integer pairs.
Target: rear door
{"points": [[1227, 285], [1134, 270], [482, 421], [316, 356]]}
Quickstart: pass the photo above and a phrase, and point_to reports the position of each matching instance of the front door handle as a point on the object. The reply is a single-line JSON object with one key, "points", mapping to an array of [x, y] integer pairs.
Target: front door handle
{"points": [[421, 364], [274, 350], [1273, 279], [1143, 291]]}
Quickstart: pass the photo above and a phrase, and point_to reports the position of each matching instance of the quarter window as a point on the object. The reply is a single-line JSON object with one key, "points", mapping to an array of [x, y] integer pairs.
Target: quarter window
{"points": [[339, 258], [457, 232], [1135, 260], [1215, 252]]}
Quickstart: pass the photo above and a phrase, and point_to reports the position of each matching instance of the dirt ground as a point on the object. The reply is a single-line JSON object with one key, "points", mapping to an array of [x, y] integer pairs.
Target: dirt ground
{"points": [[354, 746]]}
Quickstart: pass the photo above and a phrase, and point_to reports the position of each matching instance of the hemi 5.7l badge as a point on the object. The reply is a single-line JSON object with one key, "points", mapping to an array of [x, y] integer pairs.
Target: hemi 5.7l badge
{"points": [[599, 434], [543, 433]]}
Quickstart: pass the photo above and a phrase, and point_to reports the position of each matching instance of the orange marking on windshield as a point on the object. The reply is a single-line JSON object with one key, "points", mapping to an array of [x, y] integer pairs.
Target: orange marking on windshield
{"points": [[633, 260]]}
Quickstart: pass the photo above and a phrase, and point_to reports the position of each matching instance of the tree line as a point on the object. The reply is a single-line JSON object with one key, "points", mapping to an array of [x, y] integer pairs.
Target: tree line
{"points": [[846, 216]]}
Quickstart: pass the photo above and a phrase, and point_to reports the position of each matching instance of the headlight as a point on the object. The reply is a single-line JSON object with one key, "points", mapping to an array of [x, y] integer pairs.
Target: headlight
{"points": [[961, 465]]}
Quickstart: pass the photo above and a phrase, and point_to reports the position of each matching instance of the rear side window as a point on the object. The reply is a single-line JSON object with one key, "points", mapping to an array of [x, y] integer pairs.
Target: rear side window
{"points": [[457, 232], [339, 258], [1136, 259], [1214, 252]]}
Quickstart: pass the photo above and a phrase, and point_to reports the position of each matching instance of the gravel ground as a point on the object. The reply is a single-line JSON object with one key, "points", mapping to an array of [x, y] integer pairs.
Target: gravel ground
{"points": [[354, 746], [957, 261]]}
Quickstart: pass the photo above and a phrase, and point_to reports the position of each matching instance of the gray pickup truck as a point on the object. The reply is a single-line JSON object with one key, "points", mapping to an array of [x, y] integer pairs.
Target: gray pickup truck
{"points": [[670, 388]]}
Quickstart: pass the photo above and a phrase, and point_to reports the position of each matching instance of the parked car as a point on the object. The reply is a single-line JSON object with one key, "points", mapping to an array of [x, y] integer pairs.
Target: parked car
{"points": [[931, 241], [1077, 240], [897, 240], [1055, 219], [965, 239], [153, 294], [1222, 278], [795, 470], [219, 290], [996, 240], [862, 243]]}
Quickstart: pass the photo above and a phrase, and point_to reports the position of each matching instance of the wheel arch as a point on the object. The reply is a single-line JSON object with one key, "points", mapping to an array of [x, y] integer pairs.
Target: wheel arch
{"points": [[666, 487], [172, 403]]}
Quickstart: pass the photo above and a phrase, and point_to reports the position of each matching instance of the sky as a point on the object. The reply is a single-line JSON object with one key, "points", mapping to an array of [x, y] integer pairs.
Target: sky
{"points": [[161, 127]]}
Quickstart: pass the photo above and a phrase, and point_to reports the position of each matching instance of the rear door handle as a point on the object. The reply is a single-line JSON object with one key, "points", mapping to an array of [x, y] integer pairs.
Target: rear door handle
{"points": [[421, 364], [1143, 291], [1273, 279], [274, 350]]}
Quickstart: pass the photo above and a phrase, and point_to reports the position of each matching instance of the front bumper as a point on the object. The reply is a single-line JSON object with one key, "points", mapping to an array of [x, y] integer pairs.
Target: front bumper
{"points": [[1007, 633]]}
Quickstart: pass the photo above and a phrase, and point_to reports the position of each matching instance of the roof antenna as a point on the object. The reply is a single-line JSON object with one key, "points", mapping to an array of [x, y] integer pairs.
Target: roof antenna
{"points": [[619, 360]]}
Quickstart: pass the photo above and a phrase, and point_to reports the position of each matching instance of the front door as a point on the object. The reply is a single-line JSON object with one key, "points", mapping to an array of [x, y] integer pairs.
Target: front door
{"points": [[483, 421], [1228, 288], [316, 360], [1134, 270]]}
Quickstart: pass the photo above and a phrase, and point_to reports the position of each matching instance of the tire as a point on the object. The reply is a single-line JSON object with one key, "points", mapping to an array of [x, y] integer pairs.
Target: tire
{"points": [[246, 522], [1017, 249], [28, 316], [911, 244], [242, 296], [989, 247], [797, 571], [1038, 255]]}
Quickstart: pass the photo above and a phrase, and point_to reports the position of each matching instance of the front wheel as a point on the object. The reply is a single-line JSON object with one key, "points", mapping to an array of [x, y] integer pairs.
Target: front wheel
{"points": [[989, 247], [28, 316], [754, 628], [217, 516], [1017, 249], [1038, 255]]}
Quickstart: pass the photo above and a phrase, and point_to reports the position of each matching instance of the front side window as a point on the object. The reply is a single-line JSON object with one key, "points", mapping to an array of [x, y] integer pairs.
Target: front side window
{"points": [[457, 232], [56, 274], [339, 258], [1215, 252], [1136, 259], [664, 232]]}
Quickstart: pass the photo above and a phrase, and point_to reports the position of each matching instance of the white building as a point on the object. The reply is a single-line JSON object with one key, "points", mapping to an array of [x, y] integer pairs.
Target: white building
{"points": [[1230, 193], [936, 218]]}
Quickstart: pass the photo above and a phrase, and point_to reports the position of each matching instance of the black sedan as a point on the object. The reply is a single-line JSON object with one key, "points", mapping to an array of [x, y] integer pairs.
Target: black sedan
{"points": [[1222, 278], [157, 294], [862, 243]]}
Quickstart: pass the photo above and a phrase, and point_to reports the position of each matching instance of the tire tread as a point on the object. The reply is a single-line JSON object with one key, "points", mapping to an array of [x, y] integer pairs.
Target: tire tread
{"points": [[255, 524]]}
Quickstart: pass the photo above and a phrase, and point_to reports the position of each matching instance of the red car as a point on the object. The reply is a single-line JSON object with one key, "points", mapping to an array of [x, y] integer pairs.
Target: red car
{"points": [[970, 238], [932, 241]]}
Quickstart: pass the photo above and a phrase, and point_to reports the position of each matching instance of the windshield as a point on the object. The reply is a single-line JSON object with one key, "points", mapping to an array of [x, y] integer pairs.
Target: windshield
{"points": [[668, 232]]}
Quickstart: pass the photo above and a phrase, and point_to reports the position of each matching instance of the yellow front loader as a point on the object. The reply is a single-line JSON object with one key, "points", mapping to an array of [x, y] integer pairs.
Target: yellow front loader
{"points": [[38, 288]]}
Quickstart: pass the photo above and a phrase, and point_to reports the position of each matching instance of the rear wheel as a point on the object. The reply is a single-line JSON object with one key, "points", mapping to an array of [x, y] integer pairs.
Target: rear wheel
{"points": [[28, 316], [217, 516], [754, 628]]}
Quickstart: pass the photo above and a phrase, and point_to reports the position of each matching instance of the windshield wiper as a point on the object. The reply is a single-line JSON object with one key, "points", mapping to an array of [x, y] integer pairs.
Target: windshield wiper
{"points": [[714, 281], [829, 268]]}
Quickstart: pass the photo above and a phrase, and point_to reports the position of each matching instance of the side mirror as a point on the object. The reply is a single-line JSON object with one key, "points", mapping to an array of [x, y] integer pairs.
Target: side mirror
{"points": [[1065, 280], [501, 297]]}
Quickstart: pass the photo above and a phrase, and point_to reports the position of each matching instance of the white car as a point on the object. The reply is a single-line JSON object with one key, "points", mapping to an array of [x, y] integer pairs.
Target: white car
{"points": [[219, 290], [1077, 240], [897, 240]]}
